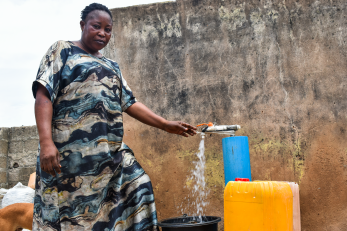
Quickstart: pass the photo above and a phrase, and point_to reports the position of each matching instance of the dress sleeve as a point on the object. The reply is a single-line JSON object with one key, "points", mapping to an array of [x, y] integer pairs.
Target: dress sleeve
{"points": [[128, 98], [50, 69]]}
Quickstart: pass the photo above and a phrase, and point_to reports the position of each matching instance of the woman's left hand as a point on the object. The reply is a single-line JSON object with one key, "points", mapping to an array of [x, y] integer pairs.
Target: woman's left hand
{"points": [[142, 113], [180, 128]]}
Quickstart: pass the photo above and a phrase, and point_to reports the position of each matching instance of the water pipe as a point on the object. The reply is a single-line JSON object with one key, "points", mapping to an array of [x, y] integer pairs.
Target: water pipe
{"points": [[235, 151], [219, 129]]}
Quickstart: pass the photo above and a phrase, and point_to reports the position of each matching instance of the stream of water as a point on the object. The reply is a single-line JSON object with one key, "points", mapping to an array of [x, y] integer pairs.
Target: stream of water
{"points": [[198, 189]]}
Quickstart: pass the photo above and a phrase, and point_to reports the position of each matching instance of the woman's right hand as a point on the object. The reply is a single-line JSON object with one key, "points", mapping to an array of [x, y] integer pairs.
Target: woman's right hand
{"points": [[50, 158], [49, 154]]}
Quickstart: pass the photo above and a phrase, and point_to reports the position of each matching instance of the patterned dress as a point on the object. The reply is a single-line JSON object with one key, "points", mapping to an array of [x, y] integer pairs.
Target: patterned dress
{"points": [[102, 186]]}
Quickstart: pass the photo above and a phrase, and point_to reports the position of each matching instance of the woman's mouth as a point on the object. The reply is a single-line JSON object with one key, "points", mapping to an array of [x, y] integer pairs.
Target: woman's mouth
{"points": [[100, 42]]}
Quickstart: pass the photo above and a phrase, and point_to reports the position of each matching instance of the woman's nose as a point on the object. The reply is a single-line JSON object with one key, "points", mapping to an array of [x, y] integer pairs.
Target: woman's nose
{"points": [[101, 33]]}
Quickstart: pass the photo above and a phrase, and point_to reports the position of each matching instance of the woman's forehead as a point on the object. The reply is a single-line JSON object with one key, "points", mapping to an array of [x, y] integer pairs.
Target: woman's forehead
{"points": [[99, 15]]}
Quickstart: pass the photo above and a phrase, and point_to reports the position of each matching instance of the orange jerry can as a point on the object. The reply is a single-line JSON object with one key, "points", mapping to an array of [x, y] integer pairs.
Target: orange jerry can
{"points": [[32, 180], [296, 206], [258, 206]]}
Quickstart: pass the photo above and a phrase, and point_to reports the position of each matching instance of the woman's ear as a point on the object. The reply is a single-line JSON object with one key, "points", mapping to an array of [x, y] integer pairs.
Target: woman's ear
{"points": [[82, 24]]}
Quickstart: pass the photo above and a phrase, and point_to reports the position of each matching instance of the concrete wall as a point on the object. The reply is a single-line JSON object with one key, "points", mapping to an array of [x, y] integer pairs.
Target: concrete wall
{"points": [[18, 151], [277, 68], [3, 156]]}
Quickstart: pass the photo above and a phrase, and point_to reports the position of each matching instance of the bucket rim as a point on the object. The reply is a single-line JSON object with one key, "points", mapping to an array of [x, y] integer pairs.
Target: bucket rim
{"points": [[162, 223]]}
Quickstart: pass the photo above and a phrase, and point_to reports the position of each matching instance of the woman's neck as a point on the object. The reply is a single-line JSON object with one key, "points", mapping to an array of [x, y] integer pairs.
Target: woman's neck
{"points": [[81, 45]]}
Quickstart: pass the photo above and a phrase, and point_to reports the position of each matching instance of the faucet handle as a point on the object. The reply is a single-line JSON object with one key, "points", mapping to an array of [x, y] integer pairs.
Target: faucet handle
{"points": [[210, 124]]}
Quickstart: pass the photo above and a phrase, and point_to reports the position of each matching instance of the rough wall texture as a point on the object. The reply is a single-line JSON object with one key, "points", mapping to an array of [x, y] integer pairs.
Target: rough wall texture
{"points": [[4, 132], [18, 151], [277, 68]]}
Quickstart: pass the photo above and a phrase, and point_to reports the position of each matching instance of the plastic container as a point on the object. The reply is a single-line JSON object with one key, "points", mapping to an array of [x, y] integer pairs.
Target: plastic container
{"points": [[258, 206], [32, 180], [296, 206], [185, 223], [236, 158], [241, 179]]}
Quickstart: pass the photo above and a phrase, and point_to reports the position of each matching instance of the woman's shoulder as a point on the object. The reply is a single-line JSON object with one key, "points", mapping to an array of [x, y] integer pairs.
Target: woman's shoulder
{"points": [[58, 47], [62, 44]]}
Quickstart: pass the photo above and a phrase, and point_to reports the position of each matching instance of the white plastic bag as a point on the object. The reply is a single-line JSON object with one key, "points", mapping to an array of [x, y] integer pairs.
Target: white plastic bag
{"points": [[3, 191], [18, 194], [2, 194]]}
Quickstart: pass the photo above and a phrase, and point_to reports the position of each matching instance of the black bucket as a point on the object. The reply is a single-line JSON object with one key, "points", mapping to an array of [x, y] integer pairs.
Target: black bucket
{"points": [[185, 223]]}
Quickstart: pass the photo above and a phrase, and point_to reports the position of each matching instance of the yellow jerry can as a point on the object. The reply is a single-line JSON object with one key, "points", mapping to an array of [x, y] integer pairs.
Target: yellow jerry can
{"points": [[258, 206]]}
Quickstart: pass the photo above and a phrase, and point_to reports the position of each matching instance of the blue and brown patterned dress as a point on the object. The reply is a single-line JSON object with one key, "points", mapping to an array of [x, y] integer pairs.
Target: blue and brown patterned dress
{"points": [[102, 186]]}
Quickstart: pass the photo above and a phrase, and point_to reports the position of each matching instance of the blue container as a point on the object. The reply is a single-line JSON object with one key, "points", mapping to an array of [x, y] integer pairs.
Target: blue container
{"points": [[236, 158]]}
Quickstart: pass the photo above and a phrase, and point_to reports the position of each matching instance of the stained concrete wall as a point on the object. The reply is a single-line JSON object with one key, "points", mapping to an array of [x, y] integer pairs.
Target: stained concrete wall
{"points": [[18, 151], [277, 68], [3, 156]]}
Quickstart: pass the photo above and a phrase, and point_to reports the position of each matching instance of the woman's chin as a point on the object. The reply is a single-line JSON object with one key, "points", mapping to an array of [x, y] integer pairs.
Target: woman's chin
{"points": [[97, 46]]}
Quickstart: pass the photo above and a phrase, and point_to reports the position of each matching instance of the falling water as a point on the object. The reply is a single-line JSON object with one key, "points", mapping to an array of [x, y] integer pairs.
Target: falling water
{"points": [[199, 192]]}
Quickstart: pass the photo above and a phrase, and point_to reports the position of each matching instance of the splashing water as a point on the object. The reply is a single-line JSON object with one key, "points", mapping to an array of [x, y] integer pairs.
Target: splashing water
{"points": [[199, 192]]}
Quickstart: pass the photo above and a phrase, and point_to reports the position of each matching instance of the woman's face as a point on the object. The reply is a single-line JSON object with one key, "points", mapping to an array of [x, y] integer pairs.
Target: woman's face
{"points": [[96, 30]]}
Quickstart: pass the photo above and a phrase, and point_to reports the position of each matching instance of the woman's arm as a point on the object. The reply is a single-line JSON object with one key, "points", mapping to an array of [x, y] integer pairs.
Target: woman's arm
{"points": [[142, 113], [49, 154]]}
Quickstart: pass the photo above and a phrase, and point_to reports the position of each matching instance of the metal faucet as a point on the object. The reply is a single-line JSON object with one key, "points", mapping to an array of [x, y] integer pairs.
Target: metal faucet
{"points": [[219, 129]]}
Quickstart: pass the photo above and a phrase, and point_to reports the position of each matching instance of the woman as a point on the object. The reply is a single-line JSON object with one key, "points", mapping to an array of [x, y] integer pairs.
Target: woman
{"points": [[87, 179]]}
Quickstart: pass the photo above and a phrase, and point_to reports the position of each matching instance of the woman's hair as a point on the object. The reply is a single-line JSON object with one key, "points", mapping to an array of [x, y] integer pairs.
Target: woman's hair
{"points": [[92, 7]]}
